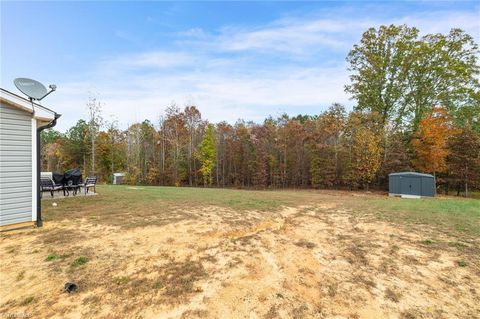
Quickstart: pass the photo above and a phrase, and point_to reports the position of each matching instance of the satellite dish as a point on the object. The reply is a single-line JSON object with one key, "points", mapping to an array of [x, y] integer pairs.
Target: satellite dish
{"points": [[33, 89]]}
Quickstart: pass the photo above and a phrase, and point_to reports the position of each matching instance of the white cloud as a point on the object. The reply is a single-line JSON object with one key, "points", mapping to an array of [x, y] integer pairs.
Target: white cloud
{"points": [[296, 38], [218, 95], [443, 21], [294, 65], [149, 60]]}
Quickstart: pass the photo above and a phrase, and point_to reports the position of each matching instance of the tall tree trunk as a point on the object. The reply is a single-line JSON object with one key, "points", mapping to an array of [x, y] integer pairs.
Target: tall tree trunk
{"points": [[217, 167], [223, 162], [93, 154], [163, 154], [466, 180], [190, 146], [285, 164], [195, 176], [336, 163], [113, 149], [385, 153]]}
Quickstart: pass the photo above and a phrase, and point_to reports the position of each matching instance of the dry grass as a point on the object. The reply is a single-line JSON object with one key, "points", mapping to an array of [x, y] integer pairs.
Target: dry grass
{"points": [[179, 278], [393, 296], [305, 244], [195, 253]]}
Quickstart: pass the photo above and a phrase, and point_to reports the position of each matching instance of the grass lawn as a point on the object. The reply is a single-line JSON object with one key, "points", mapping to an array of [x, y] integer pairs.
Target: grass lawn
{"points": [[450, 214], [166, 252], [141, 204]]}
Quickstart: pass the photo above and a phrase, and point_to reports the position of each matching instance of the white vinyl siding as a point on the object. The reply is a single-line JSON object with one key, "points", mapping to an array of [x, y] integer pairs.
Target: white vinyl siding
{"points": [[16, 179]]}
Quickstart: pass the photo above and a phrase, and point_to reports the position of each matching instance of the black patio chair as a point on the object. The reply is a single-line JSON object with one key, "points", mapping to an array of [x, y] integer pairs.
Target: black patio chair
{"points": [[89, 183], [47, 185]]}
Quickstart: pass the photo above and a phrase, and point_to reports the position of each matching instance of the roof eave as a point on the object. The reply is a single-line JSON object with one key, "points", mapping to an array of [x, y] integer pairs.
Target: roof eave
{"points": [[39, 112]]}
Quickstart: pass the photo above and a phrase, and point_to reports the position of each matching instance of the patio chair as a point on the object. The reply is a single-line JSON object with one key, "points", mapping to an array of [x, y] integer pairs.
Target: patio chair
{"points": [[47, 185], [89, 183]]}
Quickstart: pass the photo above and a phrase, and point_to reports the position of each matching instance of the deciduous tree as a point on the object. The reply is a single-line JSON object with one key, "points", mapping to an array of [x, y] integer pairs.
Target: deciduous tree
{"points": [[207, 155], [464, 157], [401, 76], [363, 142], [431, 141], [95, 122]]}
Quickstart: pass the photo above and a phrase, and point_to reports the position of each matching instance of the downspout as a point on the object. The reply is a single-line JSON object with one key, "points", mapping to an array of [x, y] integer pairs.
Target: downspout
{"points": [[39, 131]]}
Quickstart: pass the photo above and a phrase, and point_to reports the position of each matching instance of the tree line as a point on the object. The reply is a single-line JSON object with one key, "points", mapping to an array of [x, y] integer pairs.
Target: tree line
{"points": [[417, 108]]}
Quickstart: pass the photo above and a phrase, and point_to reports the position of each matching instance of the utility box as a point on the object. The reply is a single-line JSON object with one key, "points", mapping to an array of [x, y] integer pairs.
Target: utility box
{"points": [[411, 185], [118, 178]]}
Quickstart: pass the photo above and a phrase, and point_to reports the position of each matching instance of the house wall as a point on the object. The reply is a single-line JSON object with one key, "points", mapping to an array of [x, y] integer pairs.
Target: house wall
{"points": [[17, 167]]}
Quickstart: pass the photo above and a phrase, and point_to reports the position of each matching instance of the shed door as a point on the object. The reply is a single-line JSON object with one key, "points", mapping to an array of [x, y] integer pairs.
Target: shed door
{"points": [[15, 165], [411, 185]]}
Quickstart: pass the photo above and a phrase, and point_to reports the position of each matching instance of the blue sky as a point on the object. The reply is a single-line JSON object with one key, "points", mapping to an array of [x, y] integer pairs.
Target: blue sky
{"points": [[232, 59]]}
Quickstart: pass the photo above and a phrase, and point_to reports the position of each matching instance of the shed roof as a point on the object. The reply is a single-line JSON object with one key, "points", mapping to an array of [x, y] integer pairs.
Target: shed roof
{"points": [[410, 174]]}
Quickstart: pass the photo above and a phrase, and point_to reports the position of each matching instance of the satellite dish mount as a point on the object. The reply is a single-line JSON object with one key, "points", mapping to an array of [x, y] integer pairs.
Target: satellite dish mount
{"points": [[35, 90]]}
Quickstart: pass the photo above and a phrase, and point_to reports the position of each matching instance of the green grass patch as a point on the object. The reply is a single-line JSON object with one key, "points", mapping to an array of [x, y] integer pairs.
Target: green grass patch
{"points": [[54, 256], [462, 263], [457, 244], [451, 214], [82, 260], [427, 242], [51, 257], [158, 284]]}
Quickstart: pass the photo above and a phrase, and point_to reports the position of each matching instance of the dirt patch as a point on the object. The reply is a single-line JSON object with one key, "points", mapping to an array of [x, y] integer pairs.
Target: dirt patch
{"points": [[306, 262]]}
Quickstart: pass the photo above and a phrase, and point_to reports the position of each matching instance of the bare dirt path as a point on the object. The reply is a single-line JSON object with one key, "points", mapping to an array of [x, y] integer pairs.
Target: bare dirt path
{"points": [[305, 262]]}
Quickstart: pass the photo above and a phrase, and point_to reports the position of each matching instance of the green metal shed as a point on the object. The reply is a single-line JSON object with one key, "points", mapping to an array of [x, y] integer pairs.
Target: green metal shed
{"points": [[411, 184]]}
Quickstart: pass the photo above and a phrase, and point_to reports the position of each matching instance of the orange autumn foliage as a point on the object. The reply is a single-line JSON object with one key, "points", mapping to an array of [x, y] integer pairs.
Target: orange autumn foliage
{"points": [[431, 141]]}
